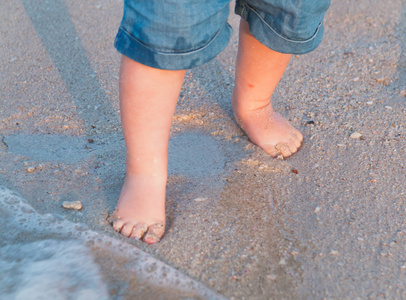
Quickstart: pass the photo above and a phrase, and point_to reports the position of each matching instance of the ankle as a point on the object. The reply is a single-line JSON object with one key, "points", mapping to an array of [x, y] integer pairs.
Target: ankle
{"points": [[244, 102]]}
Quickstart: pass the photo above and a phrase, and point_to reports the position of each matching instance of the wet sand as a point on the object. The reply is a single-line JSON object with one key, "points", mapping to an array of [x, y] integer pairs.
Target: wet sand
{"points": [[325, 223]]}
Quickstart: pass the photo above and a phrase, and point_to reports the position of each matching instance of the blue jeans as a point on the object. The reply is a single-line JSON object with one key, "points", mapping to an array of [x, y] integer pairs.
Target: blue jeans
{"points": [[182, 34]]}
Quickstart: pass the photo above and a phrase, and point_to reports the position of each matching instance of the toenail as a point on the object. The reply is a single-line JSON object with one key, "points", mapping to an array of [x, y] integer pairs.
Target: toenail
{"points": [[151, 238], [158, 229]]}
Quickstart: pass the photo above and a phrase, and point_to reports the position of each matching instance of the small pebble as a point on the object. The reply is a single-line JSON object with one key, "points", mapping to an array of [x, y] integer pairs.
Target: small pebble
{"points": [[271, 276], [403, 93], [77, 205], [369, 102], [334, 252], [30, 169], [262, 167], [280, 157], [388, 107], [200, 199], [317, 209], [355, 135], [340, 145]]}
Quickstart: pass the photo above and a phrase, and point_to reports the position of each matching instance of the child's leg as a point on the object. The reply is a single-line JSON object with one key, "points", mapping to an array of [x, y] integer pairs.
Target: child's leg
{"points": [[258, 71], [148, 99]]}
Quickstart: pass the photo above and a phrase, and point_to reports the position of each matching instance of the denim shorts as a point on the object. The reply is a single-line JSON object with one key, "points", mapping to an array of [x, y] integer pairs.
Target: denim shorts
{"points": [[182, 34]]}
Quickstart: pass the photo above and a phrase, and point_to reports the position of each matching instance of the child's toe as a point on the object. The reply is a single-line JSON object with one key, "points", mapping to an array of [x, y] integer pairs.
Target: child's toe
{"points": [[271, 151], [283, 149], [154, 233], [298, 136], [139, 230], [118, 225], [151, 238], [296, 142], [292, 146], [127, 229]]}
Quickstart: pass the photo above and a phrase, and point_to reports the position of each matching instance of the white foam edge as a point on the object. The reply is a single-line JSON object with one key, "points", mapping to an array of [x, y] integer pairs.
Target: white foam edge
{"points": [[148, 268]]}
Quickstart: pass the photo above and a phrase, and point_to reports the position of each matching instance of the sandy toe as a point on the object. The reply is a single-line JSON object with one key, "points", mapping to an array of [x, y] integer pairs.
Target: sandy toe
{"points": [[269, 131]]}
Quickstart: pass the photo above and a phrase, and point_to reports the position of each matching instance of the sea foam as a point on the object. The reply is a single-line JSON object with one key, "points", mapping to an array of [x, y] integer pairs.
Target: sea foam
{"points": [[44, 256]]}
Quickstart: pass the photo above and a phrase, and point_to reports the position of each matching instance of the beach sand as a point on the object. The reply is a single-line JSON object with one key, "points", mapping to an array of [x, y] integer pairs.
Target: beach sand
{"points": [[328, 222]]}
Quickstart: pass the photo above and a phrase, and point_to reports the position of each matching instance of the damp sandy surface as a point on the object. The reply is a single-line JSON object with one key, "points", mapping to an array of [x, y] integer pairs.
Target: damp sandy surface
{"points": [[326, 223], [48, 257]]}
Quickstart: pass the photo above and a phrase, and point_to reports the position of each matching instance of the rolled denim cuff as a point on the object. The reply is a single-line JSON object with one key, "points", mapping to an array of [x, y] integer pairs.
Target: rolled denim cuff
{"points": [[269, 36], [138, 51]]}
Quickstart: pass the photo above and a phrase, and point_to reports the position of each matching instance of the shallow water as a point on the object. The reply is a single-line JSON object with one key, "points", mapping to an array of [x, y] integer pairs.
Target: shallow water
{"points": [[48, 257], [47, 147]]}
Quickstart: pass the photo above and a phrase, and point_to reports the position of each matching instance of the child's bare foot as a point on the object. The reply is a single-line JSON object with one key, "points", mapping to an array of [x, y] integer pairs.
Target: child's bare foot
{"points": [[148, 99], [259, 70], [268, 130], [140, 212]]}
